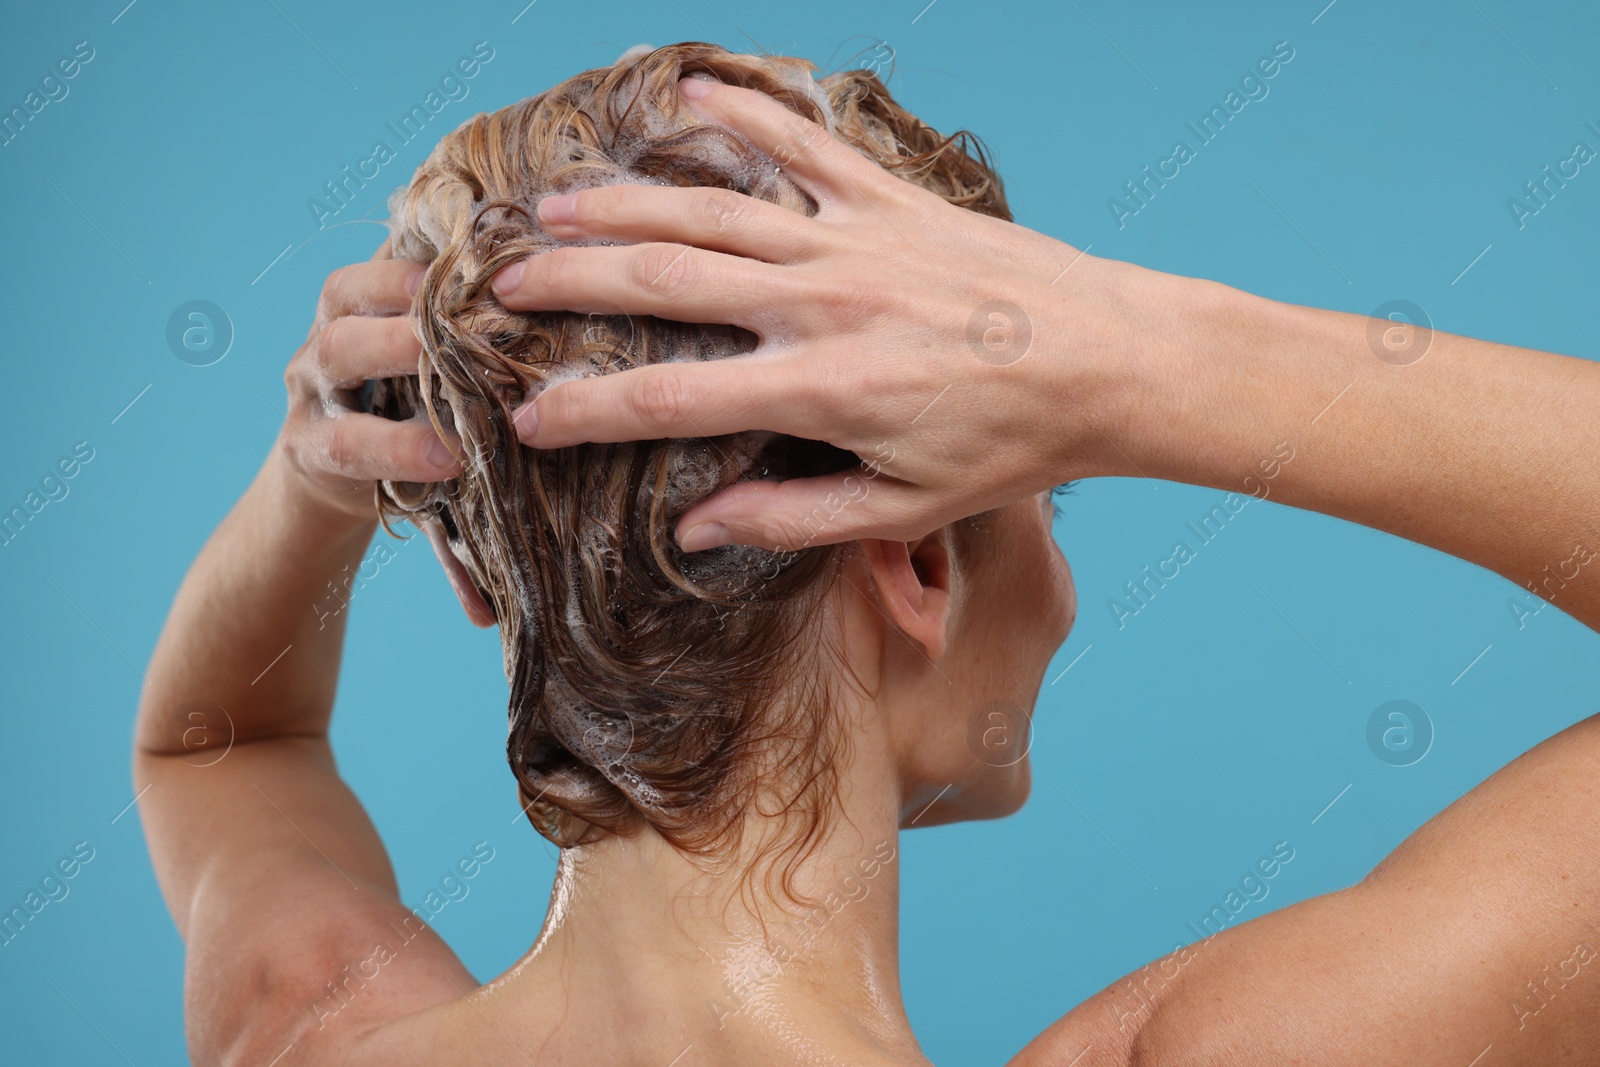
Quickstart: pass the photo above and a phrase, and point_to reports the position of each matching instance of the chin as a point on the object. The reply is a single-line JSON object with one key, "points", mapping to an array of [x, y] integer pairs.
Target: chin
{"points": [[1015, 786], [987, 793]]}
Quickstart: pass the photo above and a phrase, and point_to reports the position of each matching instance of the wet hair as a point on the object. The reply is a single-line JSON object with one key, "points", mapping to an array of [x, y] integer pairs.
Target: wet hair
{"points": [[647, 685]]}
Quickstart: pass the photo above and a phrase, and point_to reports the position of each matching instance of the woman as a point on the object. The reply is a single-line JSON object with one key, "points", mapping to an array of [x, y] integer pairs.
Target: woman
{"points": [[725, 740]]}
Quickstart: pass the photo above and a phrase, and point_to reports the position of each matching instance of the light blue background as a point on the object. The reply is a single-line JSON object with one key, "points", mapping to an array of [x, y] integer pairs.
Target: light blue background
{"points": [[1190, 741]]}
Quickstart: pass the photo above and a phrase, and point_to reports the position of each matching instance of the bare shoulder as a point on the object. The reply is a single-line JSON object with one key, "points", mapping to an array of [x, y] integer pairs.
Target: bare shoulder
{"points": [[1477, 941], [298, 943]]}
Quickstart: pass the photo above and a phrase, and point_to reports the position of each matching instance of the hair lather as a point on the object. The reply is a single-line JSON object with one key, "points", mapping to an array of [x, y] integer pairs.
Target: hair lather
{"points": [[647, 685]]}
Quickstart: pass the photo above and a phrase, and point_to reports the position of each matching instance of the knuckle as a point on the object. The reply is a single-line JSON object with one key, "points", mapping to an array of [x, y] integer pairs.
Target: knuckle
{"points": [[801, 137], [340, 450], [594, 207], [324, 347], [557, 278], [298, 383], [658, 400], [834, 394], [808, 525], [549, 276], [802, 140], [333, 289], [912, 382], [293, 451], [550, 269], [849, 306], [901, 195], [781, 531], [401, 334], [664, 270], [719, 210]]}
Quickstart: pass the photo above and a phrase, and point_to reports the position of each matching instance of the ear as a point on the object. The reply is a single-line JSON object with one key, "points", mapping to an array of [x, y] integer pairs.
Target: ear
{"points": [[913, 580], [472, 602]]}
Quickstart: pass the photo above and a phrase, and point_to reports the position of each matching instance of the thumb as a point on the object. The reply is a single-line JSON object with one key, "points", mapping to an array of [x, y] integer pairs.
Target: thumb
{"points": [[803, 513]]}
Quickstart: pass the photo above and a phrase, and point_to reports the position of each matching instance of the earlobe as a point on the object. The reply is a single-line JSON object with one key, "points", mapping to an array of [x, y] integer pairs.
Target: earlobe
{"points": [[472, 601], [913, 580]]}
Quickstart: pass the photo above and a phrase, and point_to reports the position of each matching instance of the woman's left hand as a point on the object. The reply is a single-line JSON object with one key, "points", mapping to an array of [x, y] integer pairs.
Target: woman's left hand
{"points": [[967, 361]]}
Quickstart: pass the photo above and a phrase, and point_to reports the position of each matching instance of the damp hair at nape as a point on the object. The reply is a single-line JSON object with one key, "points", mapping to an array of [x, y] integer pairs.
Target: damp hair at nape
{"points": [[648, 686]]}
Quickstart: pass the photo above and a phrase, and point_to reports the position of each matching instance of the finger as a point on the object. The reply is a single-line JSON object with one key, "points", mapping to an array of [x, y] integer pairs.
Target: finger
{"points": [[717, 219], [818, 162], [675, 400], [367, 447], [379, 287], [355, 349], [805, 513], [671, 281]]}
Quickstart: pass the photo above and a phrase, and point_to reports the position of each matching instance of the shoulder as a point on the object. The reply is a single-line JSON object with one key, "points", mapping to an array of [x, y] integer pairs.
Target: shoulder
{"points": [[1100, 1032], [1476, 941], [296, 935], [352, 968]]}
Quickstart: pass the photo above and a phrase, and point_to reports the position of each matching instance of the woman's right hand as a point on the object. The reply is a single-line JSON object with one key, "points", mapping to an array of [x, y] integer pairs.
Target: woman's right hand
{"points": [[334, 452]]}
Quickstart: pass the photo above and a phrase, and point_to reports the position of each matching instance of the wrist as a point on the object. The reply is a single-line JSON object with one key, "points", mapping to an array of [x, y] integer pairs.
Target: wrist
{"points": [[1203, 379], [309, 517], [1132, 344]]}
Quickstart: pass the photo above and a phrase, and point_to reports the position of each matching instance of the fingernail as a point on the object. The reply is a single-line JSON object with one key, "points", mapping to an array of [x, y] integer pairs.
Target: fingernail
{"points": [[509, 280], [706, 535], [695, 88], [437, 453], [414, 282], [559, 210], [526, 421]]}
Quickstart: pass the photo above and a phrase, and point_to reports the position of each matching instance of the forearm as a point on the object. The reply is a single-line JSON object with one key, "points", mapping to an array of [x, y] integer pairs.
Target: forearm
{"points": [[256, 630], [1483, 451]]}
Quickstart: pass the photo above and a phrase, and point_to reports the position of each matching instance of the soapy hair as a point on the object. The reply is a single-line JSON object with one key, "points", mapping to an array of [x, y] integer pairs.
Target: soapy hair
{"points": [[647, 685]]}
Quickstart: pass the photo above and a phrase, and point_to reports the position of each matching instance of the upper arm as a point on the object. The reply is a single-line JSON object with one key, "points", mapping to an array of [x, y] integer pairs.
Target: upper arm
{"points": [[282, 890], [1481, 931]]}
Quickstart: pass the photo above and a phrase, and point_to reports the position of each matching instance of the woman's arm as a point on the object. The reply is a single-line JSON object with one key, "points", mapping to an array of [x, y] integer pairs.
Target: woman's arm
{"points": [[275, 877], [1481, 450], [970, 362], [257, 627]]}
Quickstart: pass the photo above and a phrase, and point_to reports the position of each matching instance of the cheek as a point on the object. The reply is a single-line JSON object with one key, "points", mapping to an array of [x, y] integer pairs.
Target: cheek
{"points": [[1053, 591], [1067, 593], [1038, 600]]}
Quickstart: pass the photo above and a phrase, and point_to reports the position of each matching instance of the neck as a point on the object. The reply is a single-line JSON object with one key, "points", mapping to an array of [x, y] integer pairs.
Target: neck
{"points": [[678, 956], [656, 954]]}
